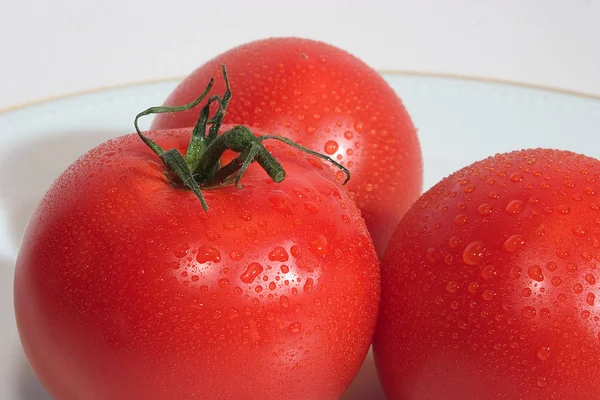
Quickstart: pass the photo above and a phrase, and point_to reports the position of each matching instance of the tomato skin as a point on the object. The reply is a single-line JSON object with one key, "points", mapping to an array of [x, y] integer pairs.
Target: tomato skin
{"points": [[489, 284], [126, 289], [328, 100]]}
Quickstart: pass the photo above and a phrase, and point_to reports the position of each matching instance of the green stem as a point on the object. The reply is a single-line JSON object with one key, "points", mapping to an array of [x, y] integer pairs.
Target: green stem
{"points": [[201, 166]]}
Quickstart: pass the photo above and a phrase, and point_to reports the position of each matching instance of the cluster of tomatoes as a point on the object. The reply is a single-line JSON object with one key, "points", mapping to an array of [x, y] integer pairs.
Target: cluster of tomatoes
{"points": [[222, 255]]}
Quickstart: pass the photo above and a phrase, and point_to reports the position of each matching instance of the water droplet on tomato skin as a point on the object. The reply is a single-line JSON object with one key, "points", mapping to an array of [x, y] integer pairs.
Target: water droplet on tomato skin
{"points": [[295, 327], [515, 272], [514, 207], [181, 250], [208, 253], [473, 253], [452, 287], [542, 382], [488, 295], [578, 230], [516, 177], [278, 254], [251, 272], [484, 210], [590, 279], [545, 314], [308, 285], [461, 220], [564, 209], [535, 273], [591, 299], [514, 243], [318, 245], [543, 353], [528, 312], [331, 147]]}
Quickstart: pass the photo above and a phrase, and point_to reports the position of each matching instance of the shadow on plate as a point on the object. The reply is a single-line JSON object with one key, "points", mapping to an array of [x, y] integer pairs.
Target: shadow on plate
{"points": [[365, 385], [28, 385], [32, 167]]}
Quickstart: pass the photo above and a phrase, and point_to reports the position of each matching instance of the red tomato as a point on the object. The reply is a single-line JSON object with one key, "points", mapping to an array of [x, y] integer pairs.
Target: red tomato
{"points": [[330, 101], [490, 284], [126, 288]]}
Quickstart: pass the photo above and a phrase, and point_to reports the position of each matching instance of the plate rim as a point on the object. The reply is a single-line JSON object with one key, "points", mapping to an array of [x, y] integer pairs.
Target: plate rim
{"points": [[396, 72]]}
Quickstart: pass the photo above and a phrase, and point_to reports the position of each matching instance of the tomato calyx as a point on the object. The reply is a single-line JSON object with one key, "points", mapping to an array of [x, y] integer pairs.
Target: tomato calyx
{"points": [[201, 166]]}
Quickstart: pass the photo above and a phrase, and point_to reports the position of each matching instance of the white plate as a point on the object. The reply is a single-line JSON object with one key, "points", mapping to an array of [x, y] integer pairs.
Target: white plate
{"points": [[459, 121]]}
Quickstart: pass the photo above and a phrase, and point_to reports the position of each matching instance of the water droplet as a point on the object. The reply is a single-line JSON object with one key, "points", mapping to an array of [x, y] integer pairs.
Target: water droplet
{"points": [[358, 126], [453, 242], [232, 313], [516, 177], [308, 285], [578, 288], [331, 146], [556, 281], [235, 255], [473, 253], [208, 253], [564, 209], [484, 210], [590, 299], [181, 250], [515, 272], [223, 283], [473, 286], [514, 207], [545, 314], [430, 255], [251, 272], [528, 312], [245, 215], [585, 314], [311, 207], [535, 273], [452, 287], [217, 314], [590, 279], [578, 230], [514, 243], [318, 245], [348, 135], [543, 353], [551, 266], [488, 295], [295, 327], [488, 272], [278, 254], [526, 292], [284, 301], [461, 220], [541, 381]]}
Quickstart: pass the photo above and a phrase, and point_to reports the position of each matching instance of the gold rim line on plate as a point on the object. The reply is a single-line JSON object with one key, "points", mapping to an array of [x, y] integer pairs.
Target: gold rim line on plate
{"points": [[471, 78]]}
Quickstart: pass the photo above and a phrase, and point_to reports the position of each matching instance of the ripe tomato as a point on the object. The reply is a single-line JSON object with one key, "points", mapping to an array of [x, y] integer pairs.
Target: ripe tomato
{"points": [[330, 101], [490, 284], [126, 288]]}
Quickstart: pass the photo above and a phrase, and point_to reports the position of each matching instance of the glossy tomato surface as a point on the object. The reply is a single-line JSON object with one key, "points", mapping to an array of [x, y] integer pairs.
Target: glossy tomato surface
{"points": [[490, 284], [328, 100], [126, 288]]}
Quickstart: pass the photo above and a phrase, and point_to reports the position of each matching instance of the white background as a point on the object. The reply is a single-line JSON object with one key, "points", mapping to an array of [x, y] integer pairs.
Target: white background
{"points": [[50, 48]]}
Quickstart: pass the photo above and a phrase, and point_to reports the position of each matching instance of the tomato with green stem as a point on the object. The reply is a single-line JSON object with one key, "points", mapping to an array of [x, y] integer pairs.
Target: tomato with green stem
{"points": [[142, 279], [489, 284], [330, 101]]}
